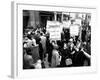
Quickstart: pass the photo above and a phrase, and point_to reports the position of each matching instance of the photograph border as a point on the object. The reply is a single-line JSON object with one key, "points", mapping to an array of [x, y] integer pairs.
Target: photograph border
{"points": [[16, 64]]}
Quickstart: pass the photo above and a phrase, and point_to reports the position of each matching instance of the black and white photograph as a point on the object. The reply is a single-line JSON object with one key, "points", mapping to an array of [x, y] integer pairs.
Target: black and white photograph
{"points": [[56, 39], [50, 40]]}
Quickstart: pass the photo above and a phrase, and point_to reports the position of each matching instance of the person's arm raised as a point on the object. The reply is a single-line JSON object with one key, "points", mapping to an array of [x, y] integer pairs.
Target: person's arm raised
{"points": [[86, 54]]}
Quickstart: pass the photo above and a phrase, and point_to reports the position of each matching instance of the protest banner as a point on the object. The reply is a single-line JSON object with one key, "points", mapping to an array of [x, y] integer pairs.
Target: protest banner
{"points": [[74, 30], [66, 24], [54, 28], [78, 21]]}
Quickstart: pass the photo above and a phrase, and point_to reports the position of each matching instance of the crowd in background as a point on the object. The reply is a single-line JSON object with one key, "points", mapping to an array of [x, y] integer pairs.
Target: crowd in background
{"points": [[67, 52]]}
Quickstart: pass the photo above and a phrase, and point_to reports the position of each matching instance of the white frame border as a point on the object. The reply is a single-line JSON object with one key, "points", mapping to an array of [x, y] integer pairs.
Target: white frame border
{"points": [[16, 69]]}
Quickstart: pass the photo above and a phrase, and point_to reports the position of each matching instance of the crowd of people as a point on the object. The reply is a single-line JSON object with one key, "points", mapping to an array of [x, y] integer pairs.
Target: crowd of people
{"points": [[67, 52]]}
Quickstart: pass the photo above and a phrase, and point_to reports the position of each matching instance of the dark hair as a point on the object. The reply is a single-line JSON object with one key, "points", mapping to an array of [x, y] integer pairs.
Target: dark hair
{"points": [[53, 41], [41, 34], [80, 48], [38, 31], [29, 36], [38, 40]]}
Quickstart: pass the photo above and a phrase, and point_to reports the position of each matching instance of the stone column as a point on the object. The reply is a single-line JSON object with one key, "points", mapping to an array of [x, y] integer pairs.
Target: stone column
{"points": [[62, 17], [55, 16], [34, 19]]}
